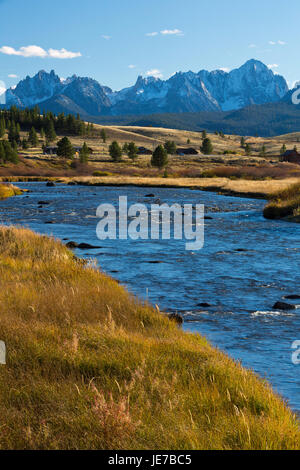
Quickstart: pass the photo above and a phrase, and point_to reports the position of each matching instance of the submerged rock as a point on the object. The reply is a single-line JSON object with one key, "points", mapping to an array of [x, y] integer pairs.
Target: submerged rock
{"points": [[50, 184], [204, 305], [284, 306], [87, 246], [43, 203], [81, 246], [150, 195], [292, 297], [71, 245]]}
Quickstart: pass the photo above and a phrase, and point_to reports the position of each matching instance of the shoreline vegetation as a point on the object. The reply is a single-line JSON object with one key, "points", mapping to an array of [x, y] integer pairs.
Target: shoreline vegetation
{"points": [[262, 189], [89, 366], [284, 204], [9, 190]]}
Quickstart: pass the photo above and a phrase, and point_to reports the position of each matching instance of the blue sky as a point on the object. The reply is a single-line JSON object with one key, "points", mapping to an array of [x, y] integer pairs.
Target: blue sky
{"points": [[114, 41]]}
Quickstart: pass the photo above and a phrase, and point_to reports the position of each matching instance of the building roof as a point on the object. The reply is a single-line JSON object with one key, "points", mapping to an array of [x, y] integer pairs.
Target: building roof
{"points": [[291, 153]]}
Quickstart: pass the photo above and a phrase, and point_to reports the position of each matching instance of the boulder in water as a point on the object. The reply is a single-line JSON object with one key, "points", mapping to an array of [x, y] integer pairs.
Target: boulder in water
{"points": [[284, 306]]}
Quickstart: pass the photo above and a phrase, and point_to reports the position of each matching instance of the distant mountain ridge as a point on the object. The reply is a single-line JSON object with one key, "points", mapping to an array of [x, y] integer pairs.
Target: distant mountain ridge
{"points": [[251, 84]]}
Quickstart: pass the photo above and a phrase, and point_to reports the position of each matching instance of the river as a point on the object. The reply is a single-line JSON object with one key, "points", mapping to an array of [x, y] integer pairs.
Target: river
{"points": [[247, 264]]}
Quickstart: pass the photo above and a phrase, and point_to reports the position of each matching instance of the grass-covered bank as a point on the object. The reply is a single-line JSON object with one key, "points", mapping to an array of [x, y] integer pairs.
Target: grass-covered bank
{"points": [[8, 190], [240, 187], [284, 204], [89, 366]]}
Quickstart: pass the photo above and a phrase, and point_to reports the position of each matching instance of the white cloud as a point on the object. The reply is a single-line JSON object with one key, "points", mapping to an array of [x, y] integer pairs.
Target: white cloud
{"points": [[252, 46], [12, 75], [273, 66], [62, 54], [154, 73], [36, 51], [25, 51], [166, 32], [131, 66], [224, 69], [176, 32], [274, 43], [106, 37]]}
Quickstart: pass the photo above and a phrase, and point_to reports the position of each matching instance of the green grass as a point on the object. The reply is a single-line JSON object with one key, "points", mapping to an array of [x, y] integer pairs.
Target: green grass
{"points": [[285, 203], [91, 367]]}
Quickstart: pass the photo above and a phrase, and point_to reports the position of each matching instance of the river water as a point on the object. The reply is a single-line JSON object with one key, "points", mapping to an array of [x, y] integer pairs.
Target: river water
{"points": [[247, 264]]}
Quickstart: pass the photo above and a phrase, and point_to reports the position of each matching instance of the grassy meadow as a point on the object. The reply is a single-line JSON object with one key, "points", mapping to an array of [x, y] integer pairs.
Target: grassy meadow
{"points": [[229, 159], [89, 366]]}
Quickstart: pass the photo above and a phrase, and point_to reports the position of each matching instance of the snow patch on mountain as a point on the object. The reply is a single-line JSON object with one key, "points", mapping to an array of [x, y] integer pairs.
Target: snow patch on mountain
{"points": [[252, 83]]}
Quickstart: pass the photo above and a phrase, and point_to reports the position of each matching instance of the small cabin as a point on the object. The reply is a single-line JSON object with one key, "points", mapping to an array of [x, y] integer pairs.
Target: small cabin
{"points": [[144, 151], [291, 156], [189, 151]]}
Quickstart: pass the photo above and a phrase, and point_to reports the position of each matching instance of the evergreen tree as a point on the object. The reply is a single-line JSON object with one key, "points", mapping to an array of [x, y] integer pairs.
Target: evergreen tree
{"points": [[207, 147], [84, 154], [188, 141], [283, 149], [243, 142], [2, 127], [132, 151], [43, 135], [33, 138], [25, 144], [295, 148], [170, 147], [2, 152], [262, 152], [159, 157], [125, 148], [11, 153], [248, 149], [204, 135], [13, 133], [65, 148], [50, 131], [115, 151], [103, 135]]}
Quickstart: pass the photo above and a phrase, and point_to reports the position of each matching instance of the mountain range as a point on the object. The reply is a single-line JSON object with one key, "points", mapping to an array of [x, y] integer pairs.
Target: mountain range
{"points": [[251, 84]]}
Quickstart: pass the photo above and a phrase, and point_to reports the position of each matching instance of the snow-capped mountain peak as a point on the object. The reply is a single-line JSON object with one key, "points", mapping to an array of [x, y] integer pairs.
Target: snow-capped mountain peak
{"points": [[252, 83]]}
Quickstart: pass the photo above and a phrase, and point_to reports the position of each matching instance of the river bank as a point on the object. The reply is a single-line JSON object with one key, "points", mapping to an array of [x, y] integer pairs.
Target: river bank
{"points": [[90, 366], [232, 187], [9, 190]]}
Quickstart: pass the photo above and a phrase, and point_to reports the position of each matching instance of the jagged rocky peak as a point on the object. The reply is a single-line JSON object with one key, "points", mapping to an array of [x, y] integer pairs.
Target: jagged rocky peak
{"points": [[252, 83]]}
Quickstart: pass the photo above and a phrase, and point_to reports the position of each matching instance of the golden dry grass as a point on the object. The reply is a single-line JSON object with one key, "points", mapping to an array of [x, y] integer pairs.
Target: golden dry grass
{"points": [[284, 204], [91, 367], [8, 190], [222, 185]]}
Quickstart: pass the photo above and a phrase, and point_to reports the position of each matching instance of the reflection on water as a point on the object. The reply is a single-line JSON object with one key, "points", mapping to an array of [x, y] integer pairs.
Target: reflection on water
{"points": [[225, 291]]}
